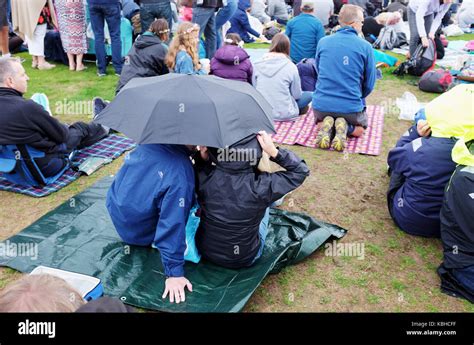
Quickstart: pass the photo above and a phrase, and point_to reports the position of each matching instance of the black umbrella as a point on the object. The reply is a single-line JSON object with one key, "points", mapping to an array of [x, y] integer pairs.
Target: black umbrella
{"points": [[188, 109]]}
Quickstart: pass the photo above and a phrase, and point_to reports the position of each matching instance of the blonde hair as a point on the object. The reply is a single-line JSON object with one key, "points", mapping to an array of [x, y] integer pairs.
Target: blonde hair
{"points": [[388, 18], [40, 293], [350, 14], [184, 37]]}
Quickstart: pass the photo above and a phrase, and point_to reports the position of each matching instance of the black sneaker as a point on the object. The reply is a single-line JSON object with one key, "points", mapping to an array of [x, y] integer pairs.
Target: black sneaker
{"points": [[98, 104]]}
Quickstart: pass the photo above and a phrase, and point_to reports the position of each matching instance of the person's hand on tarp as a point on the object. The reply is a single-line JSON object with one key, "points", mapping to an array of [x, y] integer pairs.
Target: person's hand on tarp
{"points": [[174, 286]]}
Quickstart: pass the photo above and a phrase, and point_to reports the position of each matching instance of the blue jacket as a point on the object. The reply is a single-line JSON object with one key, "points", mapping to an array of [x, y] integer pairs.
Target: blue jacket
{"points": [[150, 199], [184, 64], [304, 32], [346, 72], [240, 22], [425, 165]]}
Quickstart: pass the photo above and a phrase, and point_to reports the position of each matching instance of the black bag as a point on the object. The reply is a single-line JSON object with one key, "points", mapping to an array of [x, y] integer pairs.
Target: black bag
{"points": [[438, 80], [270, 32], [423, 60]]}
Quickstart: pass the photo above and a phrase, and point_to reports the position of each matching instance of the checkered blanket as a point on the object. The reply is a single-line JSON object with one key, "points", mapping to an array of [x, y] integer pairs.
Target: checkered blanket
{"points": [[111, 147], [303, 132]]}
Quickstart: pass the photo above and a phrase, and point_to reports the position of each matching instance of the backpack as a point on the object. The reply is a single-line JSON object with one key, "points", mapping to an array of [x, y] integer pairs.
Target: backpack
{"points": [[308, 74], [438, 80], [422, 60], [389, 39], [271, 31]]}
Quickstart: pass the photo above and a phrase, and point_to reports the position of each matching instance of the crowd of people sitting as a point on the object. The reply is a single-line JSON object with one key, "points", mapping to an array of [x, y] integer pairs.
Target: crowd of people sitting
{"points": [[345, 75]]}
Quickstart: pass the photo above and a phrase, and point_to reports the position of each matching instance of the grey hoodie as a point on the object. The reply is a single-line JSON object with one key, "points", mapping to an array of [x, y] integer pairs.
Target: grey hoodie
{"points": [[277, 79]]}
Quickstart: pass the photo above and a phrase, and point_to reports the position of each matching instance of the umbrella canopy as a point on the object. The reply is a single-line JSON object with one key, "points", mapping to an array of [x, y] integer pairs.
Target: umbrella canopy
{"points": [[188, 109]]}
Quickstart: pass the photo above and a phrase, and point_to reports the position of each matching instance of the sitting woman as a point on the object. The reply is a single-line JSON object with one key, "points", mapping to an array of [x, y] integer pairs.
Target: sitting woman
{"points": [[235, 198], [147, 56], [183, 55], [277, 79], [421, 164], [232, 61]]}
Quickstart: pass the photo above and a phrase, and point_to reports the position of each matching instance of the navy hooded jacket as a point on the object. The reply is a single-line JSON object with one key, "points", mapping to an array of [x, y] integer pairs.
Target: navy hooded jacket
{"points": [[240, 22], [150, 199], [425, 165]]}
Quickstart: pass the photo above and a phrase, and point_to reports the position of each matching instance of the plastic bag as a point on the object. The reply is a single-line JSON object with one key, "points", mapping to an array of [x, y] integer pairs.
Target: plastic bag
{"points": [[191, 253], [409, 106], [453, 30]]}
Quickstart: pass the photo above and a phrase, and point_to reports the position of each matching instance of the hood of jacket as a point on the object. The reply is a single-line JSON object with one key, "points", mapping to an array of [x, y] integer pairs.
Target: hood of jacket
{"points": [[147, 40], [271, 64], [244, 5], [229, 54], [239, 157]]}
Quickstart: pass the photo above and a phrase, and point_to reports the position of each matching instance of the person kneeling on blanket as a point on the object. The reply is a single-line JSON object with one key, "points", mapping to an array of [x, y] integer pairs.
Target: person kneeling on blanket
{"points": [[235, 198], [24, 122], [346, 76], [149, 203]]}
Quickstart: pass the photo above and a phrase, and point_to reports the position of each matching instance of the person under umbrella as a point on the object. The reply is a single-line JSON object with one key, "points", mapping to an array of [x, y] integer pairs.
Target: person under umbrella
{"points": [[151, 196]]}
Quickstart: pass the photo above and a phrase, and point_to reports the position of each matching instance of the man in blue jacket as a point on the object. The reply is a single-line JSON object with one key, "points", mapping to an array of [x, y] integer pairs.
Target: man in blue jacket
{"points": [[346, 76], [304, 32], [149, 203]]}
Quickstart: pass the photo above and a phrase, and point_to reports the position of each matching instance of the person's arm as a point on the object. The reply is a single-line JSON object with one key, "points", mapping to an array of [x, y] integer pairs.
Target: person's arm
{"points": [[398, 158], [407, 137], [370, 73], [289, 28], [170, 237], [271, 8], [45, 124], [321, 33], [420, 17], [246, 25], [295, 86], [250, 73], [437, 19], [274, 186]]}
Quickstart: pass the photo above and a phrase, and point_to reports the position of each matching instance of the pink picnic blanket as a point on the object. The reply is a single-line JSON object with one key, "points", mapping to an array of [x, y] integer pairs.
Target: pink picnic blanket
{"points": [[303, 132]]}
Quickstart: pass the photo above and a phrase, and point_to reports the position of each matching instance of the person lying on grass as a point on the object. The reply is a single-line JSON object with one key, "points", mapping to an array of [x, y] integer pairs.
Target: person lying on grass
{"points": [[149, 203], [235, 198], [24, 122]]}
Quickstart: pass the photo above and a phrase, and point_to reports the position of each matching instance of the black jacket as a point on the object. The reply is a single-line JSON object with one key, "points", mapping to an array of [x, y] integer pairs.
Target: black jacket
{"points": [[23, 121], [234, 196], [457, 223], [146, 59]]}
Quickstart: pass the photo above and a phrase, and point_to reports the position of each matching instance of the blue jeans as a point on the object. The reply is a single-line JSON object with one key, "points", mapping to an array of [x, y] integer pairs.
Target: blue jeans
{"points": [[150, 12], [206, 19], [304, 100], [224, 14], [465, 277], [262, 232], [110, 13]]}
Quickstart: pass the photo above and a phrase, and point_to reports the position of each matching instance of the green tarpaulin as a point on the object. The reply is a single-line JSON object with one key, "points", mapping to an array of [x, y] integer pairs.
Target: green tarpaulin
{"points": [[78, 236]]}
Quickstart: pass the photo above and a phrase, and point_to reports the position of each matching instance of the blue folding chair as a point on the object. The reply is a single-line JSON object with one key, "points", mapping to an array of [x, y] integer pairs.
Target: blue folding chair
{"points": [[17, 165]]}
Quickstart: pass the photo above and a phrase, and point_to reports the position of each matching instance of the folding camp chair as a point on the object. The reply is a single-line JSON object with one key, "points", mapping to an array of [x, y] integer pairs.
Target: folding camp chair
{"points": [[17, 165]]}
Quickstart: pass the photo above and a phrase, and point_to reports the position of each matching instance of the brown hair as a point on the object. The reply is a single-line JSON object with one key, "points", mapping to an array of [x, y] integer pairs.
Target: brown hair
{"points": [[184, 37], [40, 293], [280, 44], [235, 38], [160, 28]]}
